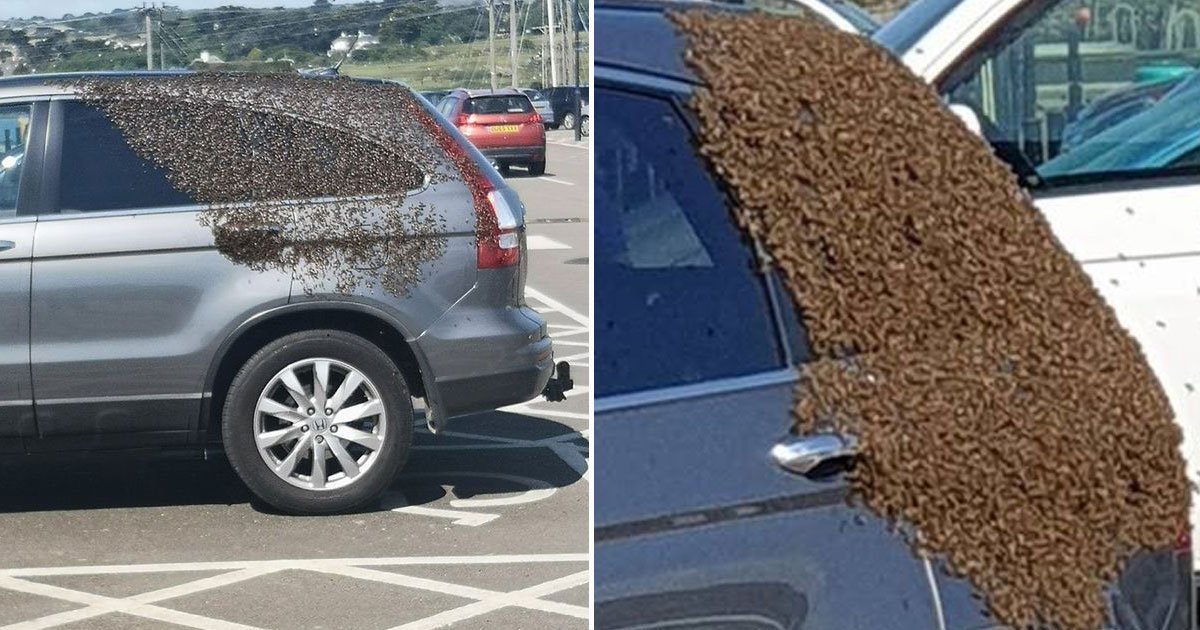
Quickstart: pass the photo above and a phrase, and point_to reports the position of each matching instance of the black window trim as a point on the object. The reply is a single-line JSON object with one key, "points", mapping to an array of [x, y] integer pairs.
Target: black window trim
{"points": [[675, 93]]}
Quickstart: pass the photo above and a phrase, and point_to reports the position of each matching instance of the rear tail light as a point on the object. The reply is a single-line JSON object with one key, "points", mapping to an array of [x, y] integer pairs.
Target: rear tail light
{"points": [[534, 118], [504, 248], [462, 119]]}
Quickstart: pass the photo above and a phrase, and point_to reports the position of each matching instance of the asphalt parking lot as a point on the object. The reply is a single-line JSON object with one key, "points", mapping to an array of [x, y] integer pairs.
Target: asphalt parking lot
{"points": [[487, 527]]}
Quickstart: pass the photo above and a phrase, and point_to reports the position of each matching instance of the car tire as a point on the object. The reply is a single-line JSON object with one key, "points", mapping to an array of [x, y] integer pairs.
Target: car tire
{"points": [[502, 168], [537, 169], [568, 120], [585, 126], [374, 414]]}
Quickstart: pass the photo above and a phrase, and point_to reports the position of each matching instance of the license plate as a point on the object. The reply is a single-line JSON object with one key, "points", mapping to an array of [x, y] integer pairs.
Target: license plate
{"points": [[504, 128]]}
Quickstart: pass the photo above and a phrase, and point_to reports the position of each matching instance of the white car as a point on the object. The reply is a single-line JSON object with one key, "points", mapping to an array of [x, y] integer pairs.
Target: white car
{"points": [[846, 16], [1019, 72]]}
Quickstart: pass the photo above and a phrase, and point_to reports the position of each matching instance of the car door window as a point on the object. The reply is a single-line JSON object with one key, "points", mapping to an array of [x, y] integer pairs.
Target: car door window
{"points": [[14, 136], [1086, 92], [100, 171], [681, 299]]}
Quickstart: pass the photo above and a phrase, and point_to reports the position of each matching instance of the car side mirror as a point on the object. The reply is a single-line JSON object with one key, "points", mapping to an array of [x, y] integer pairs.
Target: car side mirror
{"points": [[968, 116]]}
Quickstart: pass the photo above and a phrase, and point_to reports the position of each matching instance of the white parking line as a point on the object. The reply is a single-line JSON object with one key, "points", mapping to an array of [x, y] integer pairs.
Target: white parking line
{"points": [[539, 242], [279, 565], [554, 180], [141, 605], [486, 606]]}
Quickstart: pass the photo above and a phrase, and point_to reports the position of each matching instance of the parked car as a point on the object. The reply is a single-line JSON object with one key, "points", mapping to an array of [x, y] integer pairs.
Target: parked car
{"points": [[562, 102], [1130, 226], [541, 104], [502, 124], [697, 525], [846, 16], [125, 327]]}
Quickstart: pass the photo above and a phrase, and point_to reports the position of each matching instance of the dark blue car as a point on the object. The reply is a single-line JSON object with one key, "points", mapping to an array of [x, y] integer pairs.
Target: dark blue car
{"points": [[703, 519]]}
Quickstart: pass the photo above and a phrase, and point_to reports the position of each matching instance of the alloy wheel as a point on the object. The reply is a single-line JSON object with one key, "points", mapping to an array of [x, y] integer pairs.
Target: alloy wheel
{"points": [[320, 424]]}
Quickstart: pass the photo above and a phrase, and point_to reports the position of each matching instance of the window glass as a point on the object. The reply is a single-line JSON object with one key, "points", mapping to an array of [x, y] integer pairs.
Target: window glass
{"points": [[14, 136], [678, 297], [100, 171], [498, 105], [1101, 90]]}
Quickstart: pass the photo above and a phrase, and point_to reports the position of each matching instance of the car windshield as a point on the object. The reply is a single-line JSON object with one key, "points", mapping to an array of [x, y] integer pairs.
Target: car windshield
{"points": [[903, 31], [534, 95], [498, 105], [1162, 136]]}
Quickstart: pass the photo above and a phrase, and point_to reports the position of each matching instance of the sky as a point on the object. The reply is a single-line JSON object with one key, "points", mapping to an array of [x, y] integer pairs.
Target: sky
{"points": [[57, 8]]}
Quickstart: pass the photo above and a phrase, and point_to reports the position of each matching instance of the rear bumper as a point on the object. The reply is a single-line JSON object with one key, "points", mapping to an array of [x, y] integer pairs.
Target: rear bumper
{"points": [[484, 356], [516, 154], [485, 393]]}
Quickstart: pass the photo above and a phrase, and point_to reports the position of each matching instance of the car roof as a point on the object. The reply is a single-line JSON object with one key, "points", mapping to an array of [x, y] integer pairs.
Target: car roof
{"points": [[55, 82], [496, 92]]}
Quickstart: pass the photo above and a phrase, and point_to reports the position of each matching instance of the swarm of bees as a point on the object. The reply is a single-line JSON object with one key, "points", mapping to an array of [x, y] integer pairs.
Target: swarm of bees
{"points": [[308, 176], [1004, 416]]}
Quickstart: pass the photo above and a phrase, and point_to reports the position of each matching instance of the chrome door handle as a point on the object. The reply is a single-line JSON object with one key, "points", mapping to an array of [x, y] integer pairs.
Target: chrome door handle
{"points": [[6, 245], [805, 454]]}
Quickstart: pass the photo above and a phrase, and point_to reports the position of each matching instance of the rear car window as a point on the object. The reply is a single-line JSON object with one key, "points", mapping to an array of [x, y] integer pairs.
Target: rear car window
{"points": [[498, 105], [679, 300], [100, 171]]}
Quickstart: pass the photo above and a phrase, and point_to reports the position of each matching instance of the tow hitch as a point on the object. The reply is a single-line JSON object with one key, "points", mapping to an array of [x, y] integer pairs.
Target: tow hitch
{"points": [[556, 390]]}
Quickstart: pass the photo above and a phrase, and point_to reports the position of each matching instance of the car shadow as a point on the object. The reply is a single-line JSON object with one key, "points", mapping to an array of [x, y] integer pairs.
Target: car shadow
{"points": [[438, 465]]}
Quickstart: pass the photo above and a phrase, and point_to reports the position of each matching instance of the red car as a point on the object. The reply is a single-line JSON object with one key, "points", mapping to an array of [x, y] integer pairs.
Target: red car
{"points": [[502, 124]]}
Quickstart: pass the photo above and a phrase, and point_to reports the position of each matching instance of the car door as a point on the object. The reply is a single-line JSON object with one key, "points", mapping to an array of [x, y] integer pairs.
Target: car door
{"points": [[22, 125], [130, 298], [696, 525], [1102, 127]]}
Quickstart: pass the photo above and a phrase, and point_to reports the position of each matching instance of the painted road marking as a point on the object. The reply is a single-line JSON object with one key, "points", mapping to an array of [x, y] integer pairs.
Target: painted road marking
{"points": [[483, 607], [554, 180], [539, 242], [141, 605], [457, 517], [555, 306]]}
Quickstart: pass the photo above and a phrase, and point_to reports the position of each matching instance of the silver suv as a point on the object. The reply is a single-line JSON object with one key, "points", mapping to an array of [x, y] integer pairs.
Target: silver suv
{"points": [[149, 299]]}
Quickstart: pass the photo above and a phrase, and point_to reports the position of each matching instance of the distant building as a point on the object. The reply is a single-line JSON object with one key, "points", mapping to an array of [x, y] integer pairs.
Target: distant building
{"points": [[207, 57], [343, 43], [125, 43]]}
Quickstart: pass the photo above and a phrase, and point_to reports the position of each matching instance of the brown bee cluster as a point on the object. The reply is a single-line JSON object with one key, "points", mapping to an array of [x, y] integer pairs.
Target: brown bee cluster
{"points": [[309, 176], [1004, 415]]}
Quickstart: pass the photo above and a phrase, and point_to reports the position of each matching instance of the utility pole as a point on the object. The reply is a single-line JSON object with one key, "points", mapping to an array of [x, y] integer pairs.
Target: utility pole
{"points": [[568, 29], [578, 104], [162, 50], [512, 38], [553, 43], [149, 38], [492, 38]]}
